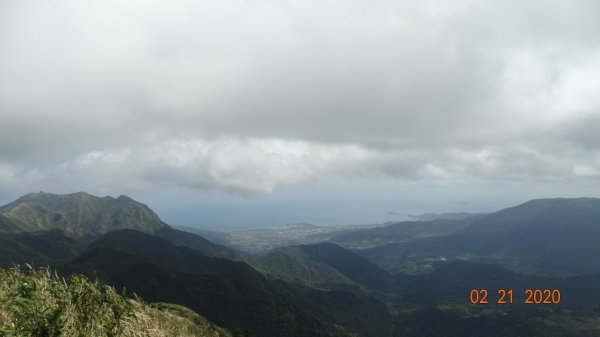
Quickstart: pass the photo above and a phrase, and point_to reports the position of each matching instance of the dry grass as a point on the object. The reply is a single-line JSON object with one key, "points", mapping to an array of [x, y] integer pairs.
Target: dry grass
{"points": [[39, 303]]}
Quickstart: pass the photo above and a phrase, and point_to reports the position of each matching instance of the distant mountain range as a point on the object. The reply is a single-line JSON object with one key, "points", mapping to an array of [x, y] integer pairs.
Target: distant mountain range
{"points": [[403, 279], [545, 236]]}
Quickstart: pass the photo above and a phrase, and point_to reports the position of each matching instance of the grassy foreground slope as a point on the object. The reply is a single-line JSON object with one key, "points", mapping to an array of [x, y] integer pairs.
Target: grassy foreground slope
{"points": [[38, 303]]}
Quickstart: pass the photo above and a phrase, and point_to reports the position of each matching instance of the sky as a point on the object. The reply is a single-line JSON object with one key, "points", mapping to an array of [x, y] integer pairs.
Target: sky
{"points": [[257, 113]]}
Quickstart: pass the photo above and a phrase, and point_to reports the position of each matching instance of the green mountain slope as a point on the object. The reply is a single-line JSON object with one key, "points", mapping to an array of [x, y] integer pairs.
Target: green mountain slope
{"points": [[77, 214], [230, 293], [36, 227], [399, 232], [164, 252], [290, 265], [38, 248], [545, 236], [198, 243], [357, 311], [322, 264]]}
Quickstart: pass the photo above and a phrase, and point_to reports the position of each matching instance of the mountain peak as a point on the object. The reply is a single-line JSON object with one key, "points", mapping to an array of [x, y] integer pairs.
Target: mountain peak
{"points": [[47, 195], [77, 213]]}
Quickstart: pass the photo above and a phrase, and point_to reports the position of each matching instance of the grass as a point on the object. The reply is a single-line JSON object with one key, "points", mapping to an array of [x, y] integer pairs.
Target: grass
{"points": [[37, 302]]}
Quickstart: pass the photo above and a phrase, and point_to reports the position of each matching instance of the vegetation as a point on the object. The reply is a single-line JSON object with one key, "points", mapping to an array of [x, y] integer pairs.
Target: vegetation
{"points": [[316, 290], [38, 248], [321, 265], [77, 214], [468, 321], [36, 302], [229, 293], [551, 237]]}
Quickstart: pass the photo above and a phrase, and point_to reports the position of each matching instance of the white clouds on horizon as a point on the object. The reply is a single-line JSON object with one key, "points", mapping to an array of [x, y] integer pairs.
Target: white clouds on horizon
{"points": [[251, 167]]}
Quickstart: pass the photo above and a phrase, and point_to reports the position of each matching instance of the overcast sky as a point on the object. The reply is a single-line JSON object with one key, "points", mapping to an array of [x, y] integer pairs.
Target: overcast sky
{"points": [[256, 113]]}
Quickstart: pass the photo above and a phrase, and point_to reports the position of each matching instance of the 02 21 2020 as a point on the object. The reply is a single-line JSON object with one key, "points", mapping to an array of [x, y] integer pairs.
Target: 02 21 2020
{"points": [[505, 296]]}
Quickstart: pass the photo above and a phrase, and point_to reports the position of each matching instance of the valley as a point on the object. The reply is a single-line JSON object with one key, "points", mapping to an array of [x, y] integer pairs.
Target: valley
{"points": [[410, 278], [260, 241]]}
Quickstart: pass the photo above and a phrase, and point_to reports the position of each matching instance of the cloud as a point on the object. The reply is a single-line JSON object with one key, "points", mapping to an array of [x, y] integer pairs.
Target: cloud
{"points": [[252, 167], [248, 96], [246, 167]]}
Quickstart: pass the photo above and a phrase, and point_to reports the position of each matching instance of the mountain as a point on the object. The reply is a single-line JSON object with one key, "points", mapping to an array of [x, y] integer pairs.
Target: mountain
{"points": [[357, 311], [543, 236], [399, 232], [77, 214], [325, 289], [229, 293], [38, 248], [125, 244], [197, 242], [320, 265], [36, 220], [178, 257]]}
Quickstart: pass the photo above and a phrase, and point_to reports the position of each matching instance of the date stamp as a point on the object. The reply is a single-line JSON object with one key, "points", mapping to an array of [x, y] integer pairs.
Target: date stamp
{"points": [[506, 296]]}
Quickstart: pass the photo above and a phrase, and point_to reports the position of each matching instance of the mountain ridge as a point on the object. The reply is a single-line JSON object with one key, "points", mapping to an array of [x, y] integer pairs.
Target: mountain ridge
{"points": [[551, 236], [230, 293], [322, 264], [64, 224], [78, 214]]}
